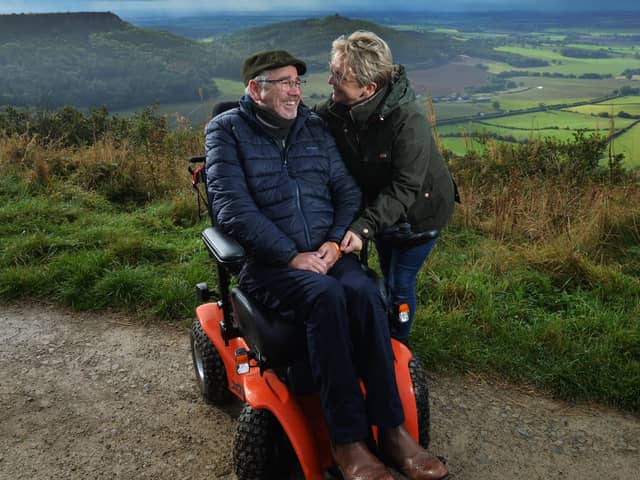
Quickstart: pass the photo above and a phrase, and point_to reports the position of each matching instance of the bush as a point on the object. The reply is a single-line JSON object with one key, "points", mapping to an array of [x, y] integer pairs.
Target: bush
{"points": [[128, 160]]}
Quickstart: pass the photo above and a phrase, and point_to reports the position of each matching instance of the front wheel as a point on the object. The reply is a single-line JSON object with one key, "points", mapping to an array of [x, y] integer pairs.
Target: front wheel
{"points": [[209, 367], [261, 449], [421, 392]]}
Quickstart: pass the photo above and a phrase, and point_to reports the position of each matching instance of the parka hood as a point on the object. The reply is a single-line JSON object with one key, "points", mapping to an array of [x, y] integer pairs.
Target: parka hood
{"points": [[400, 92]]}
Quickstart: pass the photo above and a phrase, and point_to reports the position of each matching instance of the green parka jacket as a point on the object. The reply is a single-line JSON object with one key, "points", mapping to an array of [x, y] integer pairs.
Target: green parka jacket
{"points": [[388, 147]]}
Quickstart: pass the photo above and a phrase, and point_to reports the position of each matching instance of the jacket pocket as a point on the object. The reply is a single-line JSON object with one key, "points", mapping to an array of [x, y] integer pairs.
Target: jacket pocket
{"points": [[434, 205]]}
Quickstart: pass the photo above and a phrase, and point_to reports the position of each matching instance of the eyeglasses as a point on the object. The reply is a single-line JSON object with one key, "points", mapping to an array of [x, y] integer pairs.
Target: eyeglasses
{"points": [[335, 74], [285, 83], [340, 77]]}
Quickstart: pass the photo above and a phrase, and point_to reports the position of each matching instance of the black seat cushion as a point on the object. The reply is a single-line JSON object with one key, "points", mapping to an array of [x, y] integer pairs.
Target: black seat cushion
{"points": [[275, 340]]}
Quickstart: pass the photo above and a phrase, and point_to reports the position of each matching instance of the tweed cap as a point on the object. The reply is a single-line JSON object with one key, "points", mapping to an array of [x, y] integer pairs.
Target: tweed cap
{"points": [[269, 60]]}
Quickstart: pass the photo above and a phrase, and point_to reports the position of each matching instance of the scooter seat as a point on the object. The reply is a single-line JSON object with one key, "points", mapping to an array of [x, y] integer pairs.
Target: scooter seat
{"points": [[275, 340]]}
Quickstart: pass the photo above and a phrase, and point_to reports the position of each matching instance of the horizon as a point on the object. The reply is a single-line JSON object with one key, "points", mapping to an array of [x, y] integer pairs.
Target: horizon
{"points": [[169, 8]]}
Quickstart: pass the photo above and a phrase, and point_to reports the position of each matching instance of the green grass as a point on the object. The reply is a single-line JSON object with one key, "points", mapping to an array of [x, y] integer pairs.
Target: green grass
{"points": [[484, 306], [78, 250], [230, 89], [445, 110], [317, 88], [557, 118], [518, 135], [458, 145], [629, 144], [539, 125], [484, 314], [629, 104], [555, 91], [569, 65]]}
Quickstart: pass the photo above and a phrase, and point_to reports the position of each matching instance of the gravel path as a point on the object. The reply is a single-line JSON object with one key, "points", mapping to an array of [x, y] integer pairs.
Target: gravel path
{"points": [[99, 396]]}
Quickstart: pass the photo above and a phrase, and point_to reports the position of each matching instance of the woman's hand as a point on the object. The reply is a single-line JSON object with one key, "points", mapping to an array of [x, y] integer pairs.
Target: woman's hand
{"points": [[350, 242], [330, 253]]}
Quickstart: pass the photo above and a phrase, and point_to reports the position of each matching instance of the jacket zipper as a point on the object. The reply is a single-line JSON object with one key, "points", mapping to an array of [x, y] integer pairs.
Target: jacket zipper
{"points": [[283, 154], [353, 141]]}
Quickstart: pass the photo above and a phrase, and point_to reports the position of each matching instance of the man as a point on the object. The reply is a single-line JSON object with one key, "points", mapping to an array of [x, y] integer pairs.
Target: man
{"points": [[277, 184]]}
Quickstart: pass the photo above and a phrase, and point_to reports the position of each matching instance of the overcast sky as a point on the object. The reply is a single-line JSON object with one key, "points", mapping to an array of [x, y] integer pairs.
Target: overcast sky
{"points": [[124, 7]]}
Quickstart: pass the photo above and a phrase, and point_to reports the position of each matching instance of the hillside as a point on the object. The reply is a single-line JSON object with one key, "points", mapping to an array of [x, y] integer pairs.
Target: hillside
{"points": [[311, 39], [92, 59]]}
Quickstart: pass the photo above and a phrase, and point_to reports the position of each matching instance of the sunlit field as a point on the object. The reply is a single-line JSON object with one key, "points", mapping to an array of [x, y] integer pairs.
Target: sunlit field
{"points": [[570, 65], [630, 105], [556, 91], [629, 144], [446, 110]]}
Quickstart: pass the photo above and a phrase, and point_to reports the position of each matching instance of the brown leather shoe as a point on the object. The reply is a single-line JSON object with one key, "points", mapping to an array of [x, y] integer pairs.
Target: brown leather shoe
{"points": [[401, 451], [356, 462]]}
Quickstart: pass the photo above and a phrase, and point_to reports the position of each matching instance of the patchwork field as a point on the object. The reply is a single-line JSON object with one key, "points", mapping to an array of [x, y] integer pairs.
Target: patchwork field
{"points": [[629, 144], [630, 105], [524, 92], [447, 110], [553, 123], [532, 91], [569, 65]]}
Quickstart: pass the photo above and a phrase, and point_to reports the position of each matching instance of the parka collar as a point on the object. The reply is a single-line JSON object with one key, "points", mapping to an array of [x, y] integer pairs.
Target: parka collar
{"points": [[363, 111]]}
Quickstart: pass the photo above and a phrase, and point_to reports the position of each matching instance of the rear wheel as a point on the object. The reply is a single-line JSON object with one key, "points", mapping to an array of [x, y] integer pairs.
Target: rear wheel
{"points": [[421, 391], [261, 449], [209, 368]]}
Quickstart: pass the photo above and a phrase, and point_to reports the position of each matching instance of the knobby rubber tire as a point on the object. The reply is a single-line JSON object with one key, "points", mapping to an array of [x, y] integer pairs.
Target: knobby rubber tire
{"points": [[261, 449], [209, 368], [419, 380]]}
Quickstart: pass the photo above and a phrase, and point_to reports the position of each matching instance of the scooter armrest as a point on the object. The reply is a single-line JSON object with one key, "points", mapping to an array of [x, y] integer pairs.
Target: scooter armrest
{"points": [[223, 247]]}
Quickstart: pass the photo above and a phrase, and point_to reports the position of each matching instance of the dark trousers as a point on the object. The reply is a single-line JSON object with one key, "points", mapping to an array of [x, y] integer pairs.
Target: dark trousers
{"points": [[347, 337]]}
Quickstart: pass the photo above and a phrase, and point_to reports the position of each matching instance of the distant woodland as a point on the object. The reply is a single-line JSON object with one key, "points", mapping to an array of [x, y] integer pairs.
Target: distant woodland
{"points": [[93, 59]]}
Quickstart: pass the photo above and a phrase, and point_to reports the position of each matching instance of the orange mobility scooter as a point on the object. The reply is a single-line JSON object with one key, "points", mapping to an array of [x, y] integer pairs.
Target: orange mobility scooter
{"points": [[241, 350]]}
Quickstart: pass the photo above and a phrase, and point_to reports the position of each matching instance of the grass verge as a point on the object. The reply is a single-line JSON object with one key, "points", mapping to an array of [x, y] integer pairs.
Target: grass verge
{"points": [[536, 280]]}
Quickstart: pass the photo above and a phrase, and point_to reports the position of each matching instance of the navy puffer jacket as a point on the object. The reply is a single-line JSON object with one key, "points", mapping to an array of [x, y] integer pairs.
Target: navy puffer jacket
{"points": [[277, 200]]}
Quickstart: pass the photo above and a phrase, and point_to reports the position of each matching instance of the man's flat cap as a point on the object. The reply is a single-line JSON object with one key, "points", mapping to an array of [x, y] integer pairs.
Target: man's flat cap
{"points": [[269, 60]]}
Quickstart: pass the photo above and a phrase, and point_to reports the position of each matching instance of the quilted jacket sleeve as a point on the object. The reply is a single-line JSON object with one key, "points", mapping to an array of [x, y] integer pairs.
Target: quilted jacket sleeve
{"points": [[233, 206]]}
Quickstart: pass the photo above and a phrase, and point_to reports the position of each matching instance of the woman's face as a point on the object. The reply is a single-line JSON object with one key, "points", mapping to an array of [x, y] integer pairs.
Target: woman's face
{"points": [[346, 90]]}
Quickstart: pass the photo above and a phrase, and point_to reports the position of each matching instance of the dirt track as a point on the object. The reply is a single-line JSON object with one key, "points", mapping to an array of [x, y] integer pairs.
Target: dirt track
{"points": [[97, 396]]}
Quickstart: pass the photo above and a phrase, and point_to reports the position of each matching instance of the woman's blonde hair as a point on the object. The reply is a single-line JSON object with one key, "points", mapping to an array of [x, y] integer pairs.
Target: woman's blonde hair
{"points": [[366, 56]]}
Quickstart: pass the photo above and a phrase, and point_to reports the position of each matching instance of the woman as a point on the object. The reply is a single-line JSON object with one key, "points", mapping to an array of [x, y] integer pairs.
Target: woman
{"points": [[384, 136]]}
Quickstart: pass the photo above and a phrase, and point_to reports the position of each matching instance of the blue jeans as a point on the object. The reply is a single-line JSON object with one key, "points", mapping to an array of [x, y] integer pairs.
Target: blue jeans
{"points": [[400, 268]]}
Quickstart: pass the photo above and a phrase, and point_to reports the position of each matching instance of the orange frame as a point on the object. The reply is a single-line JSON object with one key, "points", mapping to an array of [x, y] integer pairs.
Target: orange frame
{"points": [[300, 416]]}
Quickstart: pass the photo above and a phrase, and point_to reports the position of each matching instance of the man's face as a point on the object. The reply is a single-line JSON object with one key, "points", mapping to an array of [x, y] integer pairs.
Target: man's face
{"points": [[346, 90], [279, 93]]}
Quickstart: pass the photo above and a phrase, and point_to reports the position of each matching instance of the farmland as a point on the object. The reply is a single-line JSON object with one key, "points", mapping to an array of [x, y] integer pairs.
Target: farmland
{"points": [[448, 79], [629, 144], [552, 89], [629, 104], [552, 123], [568, 86], [571, 66]]}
